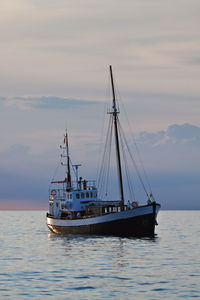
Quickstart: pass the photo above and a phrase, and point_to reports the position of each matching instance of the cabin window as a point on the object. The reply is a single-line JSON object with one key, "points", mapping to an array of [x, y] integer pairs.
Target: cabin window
{"points": [[82, 195], [77, 196], [87, 195], [91, 194]]}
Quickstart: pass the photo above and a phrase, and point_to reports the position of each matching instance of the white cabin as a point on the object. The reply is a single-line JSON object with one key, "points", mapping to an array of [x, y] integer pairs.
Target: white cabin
{"points": [[62, 200]]}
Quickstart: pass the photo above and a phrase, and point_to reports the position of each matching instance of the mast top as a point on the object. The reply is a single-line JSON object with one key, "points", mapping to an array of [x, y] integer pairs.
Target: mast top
{"points": [[115, 111]]}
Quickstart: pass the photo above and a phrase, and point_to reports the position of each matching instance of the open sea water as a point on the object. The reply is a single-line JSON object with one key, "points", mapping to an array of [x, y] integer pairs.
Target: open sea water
{"points": [[37, 264]]}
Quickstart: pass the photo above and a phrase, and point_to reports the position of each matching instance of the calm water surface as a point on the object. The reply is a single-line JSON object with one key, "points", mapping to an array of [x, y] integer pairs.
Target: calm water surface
{"points": [[35, 263]]}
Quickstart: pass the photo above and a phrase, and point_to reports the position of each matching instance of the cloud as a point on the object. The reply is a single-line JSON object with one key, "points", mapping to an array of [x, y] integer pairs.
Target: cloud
{"points": [[175, 134], [152, 138], [185, 133], [44, 102], [195, 60]]}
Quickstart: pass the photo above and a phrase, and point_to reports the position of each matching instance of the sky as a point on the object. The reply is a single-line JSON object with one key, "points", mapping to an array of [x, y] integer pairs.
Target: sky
{"points": [[54, 74]]}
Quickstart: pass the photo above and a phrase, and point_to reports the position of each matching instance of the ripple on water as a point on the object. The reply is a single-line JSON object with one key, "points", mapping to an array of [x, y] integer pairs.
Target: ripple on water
{"points": [[35, 263]]}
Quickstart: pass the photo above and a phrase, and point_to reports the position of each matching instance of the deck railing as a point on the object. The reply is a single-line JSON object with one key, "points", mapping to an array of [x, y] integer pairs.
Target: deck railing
{"points": [[80, 185]]}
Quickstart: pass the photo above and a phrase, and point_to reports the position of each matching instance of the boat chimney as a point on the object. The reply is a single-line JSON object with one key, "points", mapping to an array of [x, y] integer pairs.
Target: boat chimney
{"points": [[84, 184], [80, 183]]}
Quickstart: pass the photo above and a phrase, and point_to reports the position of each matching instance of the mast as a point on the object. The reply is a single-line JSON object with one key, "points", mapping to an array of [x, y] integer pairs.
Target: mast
{"points": [[69, 184], [115, 118]]}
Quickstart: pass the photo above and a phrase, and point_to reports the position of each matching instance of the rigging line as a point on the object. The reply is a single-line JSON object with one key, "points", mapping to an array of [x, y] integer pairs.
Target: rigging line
{"points": [[109, 152], [104, 169], [104, 153], [103, 158], [132, 195], [73, 168], [103, 125], [101, 178], [142, 165], [134, 162], [134, 141], [56, 171], [107, 161]]}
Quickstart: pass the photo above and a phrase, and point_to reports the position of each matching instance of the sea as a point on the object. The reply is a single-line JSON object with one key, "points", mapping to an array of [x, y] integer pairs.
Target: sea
{"points": [[37, 264]]}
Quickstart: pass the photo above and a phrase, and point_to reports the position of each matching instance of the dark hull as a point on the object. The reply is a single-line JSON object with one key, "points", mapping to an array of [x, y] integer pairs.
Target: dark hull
{"points": [[138, 226]]}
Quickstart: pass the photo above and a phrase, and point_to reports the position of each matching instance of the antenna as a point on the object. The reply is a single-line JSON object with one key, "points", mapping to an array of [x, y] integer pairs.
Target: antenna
{"points": [[76, 173]]}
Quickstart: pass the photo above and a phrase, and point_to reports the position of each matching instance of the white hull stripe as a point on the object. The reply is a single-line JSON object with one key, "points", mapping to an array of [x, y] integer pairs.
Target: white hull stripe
{"points": [[106, 218]]}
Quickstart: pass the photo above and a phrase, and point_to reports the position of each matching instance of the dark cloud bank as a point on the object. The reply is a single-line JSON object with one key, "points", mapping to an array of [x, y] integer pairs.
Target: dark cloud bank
{"points": [[175, 179]]}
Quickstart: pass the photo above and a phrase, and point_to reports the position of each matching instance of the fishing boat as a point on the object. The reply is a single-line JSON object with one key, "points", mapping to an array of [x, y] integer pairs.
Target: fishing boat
{"points": [[75, 206]]}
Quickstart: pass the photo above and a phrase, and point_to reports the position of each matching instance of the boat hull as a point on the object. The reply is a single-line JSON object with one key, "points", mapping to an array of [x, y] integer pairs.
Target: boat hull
{"points": [[135, 222]]}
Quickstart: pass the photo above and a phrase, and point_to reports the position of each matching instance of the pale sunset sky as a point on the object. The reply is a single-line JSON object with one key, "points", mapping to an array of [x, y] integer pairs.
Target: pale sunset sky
{"points": [[54, 73]]}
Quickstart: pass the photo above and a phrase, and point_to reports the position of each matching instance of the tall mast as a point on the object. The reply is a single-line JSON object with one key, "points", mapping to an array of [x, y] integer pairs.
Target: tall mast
{"points": [[115, 117], [68, 162]]}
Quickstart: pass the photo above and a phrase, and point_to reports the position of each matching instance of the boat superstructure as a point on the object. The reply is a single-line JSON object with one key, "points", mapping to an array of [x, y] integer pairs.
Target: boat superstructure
{"points": [[76, 208]]}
